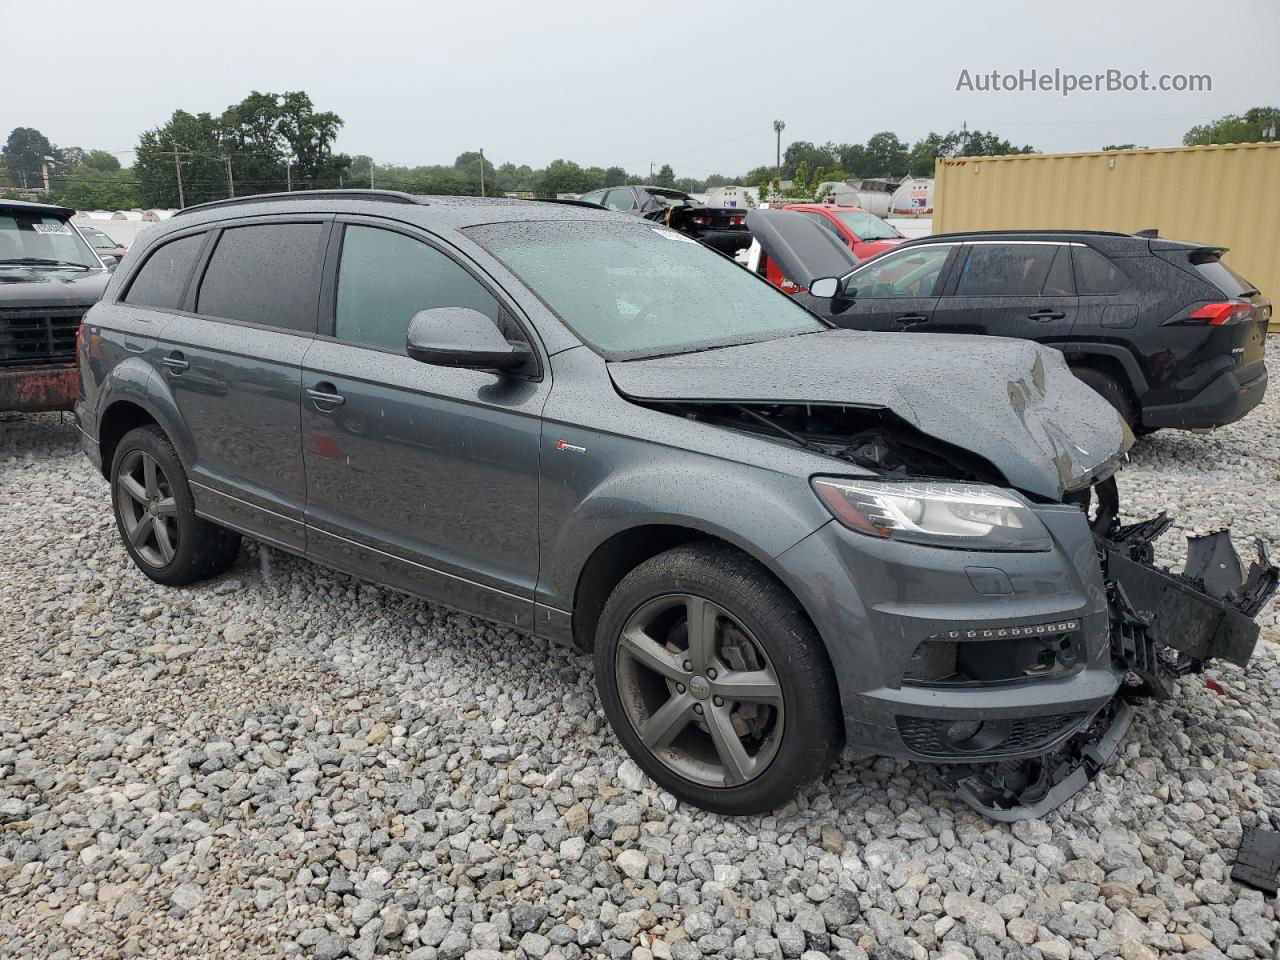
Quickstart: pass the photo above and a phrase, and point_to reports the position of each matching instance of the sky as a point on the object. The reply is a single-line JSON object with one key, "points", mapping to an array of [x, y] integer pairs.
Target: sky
{"points": [[694, 84]]}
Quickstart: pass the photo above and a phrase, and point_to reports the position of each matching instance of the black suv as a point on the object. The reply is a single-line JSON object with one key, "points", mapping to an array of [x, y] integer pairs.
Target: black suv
{"points": [[771, 534], [721, 228], [1164, 330]]}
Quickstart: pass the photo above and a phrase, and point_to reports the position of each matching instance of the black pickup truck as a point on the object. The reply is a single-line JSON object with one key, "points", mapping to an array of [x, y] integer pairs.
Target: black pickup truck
{"points": [[49, 277]]}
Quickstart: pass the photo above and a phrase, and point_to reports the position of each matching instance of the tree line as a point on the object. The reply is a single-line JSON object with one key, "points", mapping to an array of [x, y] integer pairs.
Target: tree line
{"points": [[272, 142]]}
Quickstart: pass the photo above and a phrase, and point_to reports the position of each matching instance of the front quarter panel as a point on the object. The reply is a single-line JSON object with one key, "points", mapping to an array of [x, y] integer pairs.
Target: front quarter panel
{"points": [[609, 465]]}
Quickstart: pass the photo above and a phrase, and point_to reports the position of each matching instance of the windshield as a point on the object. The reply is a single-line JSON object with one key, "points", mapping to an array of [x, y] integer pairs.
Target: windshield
{"points": [[642, 290], [97, 239], [671, 199], [867, 226], [42, 240]]}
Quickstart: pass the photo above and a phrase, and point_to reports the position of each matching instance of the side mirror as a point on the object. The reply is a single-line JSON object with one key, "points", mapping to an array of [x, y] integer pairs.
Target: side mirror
{"points": [[111, 261], [462, 337], [824, 288]]}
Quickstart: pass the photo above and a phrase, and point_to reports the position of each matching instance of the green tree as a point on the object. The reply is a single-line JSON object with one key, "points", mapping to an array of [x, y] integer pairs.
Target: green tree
{"points": [[100, 160], [561, 176], [886, 156], [1122, 146], [88, 188], [197, 138], [666, 176], [615, 177], [802, 151], [24, 153], [1257, 124]]}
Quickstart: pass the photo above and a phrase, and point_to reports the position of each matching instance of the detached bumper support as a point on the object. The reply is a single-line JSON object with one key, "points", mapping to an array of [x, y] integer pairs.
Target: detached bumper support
{"points": [[1163, 625]]}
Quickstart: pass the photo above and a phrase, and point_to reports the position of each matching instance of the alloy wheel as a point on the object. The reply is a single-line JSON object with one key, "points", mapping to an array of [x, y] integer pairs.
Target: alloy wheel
{"points": [[699, 690], [148, 511]]}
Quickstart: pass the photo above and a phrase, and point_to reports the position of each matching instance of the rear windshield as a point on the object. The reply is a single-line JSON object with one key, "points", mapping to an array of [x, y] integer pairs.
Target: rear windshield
{"points": [[1226, 279], [642, 290], [42, 241], [867, 226]]}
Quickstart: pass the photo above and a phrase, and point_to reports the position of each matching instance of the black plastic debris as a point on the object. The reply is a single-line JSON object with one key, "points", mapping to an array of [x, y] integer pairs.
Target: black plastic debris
{"points": [[1258, 862]]}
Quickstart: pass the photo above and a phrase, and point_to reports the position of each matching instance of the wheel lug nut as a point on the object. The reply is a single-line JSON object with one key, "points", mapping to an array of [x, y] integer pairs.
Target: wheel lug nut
{"points": [[718, 701], [697, 708], [711, 674], [688, 666], [679, 688]]}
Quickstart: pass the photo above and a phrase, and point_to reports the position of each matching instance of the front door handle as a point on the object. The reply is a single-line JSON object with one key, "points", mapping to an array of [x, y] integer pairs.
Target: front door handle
{"points": [[908, 319], [325, 396], [1043, 315], [176, 362]]}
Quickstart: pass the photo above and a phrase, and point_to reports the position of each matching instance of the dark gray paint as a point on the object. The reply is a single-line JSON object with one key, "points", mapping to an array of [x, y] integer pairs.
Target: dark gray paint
{"points": [[455, 484]]}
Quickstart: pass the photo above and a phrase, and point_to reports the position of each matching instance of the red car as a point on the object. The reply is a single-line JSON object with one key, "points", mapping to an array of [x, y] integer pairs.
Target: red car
{"points": [[865, 233]]}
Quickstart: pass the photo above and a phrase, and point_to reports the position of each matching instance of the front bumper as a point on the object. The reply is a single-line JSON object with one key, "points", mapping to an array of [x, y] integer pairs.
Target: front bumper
{"points": [[36, 389], [968, 657], [1033, 626], [1223, 400]]}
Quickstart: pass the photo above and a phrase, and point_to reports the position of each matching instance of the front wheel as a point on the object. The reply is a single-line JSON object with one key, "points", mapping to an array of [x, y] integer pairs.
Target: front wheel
{"points": [[715, 681]]}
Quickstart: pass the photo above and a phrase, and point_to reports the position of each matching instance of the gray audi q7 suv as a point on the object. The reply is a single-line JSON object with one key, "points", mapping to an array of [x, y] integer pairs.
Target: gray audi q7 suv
{"points": [[774, 536]]}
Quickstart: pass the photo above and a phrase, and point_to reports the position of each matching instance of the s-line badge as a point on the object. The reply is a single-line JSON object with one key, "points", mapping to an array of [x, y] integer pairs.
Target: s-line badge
{"points": [[567, 447]]}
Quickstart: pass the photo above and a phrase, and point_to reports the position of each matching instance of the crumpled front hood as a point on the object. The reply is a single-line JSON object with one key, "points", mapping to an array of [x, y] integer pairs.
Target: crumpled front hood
{"points": [[1012, 402]]}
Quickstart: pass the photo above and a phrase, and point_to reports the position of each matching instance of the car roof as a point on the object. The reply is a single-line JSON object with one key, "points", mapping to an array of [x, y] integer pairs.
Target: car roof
{"points": [[822, 206], [455, 213], [1104, 240], [27, 206]]}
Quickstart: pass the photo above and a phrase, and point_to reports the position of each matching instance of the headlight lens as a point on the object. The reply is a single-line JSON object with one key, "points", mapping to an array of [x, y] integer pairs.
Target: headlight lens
{"points": [[973, 516]]}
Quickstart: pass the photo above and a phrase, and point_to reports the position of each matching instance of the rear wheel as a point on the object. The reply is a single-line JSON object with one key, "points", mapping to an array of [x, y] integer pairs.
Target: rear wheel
{"points": [[155, 513], [1112, 392], [715, 682]]}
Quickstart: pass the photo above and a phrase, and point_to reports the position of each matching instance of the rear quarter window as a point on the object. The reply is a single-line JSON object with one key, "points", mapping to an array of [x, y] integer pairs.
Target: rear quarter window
{"points": [[266, 274], [1095, 274], [162, 279]]}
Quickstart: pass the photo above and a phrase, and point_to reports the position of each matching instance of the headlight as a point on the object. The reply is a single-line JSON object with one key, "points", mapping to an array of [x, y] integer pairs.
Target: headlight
{"points": [[973, 516]]}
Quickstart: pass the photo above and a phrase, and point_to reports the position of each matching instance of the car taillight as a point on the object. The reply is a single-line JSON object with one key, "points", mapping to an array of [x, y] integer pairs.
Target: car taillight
{"points": [[701, 221], [1220, 313], [736, 221], [79, 337]]}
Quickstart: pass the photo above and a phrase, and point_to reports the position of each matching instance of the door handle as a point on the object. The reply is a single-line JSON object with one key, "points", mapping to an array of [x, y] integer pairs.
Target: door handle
{"points": [[325, 396], [176, 362], [1043, 315], [912, 318]]}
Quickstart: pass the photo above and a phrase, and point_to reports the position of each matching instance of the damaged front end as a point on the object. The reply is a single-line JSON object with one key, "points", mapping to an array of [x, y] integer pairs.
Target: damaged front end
{"points": [[1164, 625]]}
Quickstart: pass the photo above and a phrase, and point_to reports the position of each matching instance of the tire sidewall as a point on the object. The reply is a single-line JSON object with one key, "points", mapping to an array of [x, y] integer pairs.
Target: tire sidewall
{"points": [[809, 733]]}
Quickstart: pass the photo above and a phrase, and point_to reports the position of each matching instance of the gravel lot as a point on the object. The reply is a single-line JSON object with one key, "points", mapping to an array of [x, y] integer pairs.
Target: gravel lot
{"points": [[288, 761]]}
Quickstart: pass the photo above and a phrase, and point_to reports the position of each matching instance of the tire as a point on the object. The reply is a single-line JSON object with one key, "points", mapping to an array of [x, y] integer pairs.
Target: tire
{"points": [[789, 728], [155, 513], [1112, 392]]}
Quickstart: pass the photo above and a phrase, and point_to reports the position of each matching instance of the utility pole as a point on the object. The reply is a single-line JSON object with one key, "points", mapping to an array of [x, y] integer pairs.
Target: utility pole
{"points": [[288, 174], [778, 127], [482, 171], [231, 183], [44, 171], [650, 171], [371, 173], [177, 169]]}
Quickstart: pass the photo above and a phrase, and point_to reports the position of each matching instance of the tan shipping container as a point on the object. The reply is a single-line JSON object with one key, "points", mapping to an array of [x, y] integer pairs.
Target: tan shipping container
{"points": [[1224, 195]]}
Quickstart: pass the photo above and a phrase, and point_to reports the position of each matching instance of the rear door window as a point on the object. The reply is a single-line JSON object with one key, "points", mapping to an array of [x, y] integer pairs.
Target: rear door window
{"points": [[267, 274], [162, 280], [1006, 269], [384, 278], [595, 196], [1095, 274]]}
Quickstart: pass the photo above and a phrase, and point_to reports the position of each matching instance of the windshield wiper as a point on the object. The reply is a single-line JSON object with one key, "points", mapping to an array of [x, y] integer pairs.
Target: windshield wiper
{"points": [[44, 262]]}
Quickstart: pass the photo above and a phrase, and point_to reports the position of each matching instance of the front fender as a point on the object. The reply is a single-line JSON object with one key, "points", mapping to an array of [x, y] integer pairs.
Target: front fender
{"points": [[760, 512]]}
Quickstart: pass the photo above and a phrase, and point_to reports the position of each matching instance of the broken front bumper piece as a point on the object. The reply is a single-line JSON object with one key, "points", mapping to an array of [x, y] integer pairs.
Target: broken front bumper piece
{"points": [[1163, 625]]}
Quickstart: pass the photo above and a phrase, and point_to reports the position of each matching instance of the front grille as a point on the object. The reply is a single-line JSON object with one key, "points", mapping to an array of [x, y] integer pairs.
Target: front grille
{"points": [[931, 737], [38, 335]]}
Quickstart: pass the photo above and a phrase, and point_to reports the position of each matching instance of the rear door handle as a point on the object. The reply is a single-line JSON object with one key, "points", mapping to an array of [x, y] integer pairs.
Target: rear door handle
{"points": [[325, 396], [176, 362], [912, 318], [1046, 315]]}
